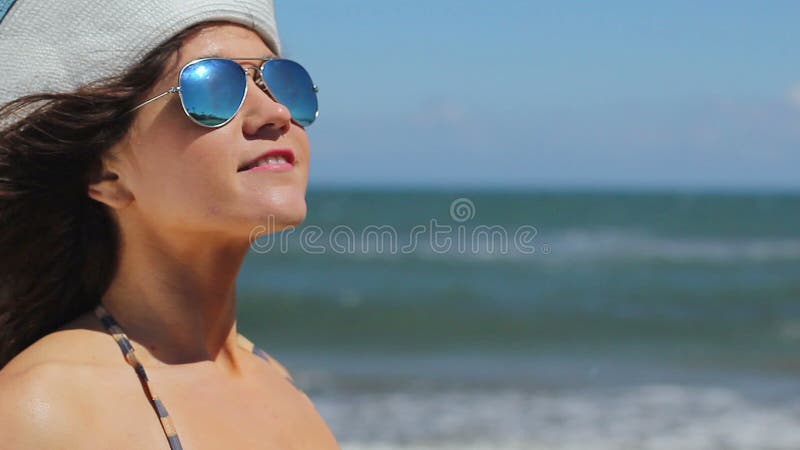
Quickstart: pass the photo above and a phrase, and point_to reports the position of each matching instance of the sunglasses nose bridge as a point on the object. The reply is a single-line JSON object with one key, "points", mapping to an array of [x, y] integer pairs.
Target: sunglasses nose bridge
{"points": [[258, 79], [263, 111]]}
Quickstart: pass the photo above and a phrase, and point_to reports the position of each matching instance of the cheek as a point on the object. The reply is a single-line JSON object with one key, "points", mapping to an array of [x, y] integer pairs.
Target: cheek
{"points": [[180, 182], [187, 180]]}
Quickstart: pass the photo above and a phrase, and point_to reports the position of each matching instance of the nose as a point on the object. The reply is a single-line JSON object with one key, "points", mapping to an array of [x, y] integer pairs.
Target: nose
{"points": [[261, 113]]}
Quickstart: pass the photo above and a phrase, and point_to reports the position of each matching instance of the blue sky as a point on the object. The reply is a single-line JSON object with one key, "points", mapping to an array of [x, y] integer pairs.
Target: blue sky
{"points": [[673, 94]]}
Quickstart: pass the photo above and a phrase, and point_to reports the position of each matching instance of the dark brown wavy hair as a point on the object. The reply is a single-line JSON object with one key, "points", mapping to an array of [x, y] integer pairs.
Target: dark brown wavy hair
{"points": [[59, 248]]}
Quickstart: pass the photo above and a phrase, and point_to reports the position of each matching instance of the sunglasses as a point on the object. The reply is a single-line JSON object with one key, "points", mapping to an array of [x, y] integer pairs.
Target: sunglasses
{"points": [[212, 90]]}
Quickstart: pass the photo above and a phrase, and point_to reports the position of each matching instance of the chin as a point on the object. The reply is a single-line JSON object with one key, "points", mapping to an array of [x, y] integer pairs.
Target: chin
{"points": [[283, 209], [291, 218]]}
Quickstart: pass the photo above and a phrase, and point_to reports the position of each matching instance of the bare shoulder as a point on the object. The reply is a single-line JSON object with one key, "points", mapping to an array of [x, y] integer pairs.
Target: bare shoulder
{"points": [[314, 430], [46, 389], [81, 341], [41, 403]]}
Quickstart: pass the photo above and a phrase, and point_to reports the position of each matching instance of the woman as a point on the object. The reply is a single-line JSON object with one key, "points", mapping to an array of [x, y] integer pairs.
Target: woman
{"points": [[125, 215]]}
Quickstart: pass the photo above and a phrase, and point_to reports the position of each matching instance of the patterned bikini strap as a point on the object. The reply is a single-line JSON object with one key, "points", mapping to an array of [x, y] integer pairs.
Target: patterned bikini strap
{"points": [[130, 356], [252, 348]]}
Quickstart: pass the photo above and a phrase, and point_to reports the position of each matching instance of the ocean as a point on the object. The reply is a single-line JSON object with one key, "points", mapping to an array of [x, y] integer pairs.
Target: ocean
{"points": [[425, 319]]}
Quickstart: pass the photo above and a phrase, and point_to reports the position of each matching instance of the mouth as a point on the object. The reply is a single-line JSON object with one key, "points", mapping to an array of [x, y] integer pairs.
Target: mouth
{"points": [[272, 160]]}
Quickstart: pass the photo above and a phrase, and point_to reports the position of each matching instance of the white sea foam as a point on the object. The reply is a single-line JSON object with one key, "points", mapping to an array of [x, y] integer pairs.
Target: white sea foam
{"points": [[636, 246], [648, 417]]}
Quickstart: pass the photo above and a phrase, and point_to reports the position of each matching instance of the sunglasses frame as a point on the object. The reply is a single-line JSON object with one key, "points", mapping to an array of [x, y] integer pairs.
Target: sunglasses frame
{"points": [[259, 80]]}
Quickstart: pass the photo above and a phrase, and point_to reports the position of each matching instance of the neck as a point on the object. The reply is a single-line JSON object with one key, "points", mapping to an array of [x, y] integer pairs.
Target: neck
{"points": [[176, 299]]}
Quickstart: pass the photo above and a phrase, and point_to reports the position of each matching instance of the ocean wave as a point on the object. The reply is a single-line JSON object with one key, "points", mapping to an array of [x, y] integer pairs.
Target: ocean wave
{"points": [[596, 245], [647, 417]]}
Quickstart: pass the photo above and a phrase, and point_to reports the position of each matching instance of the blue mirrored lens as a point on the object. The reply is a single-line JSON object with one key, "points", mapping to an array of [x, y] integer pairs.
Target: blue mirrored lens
{"points": [[212, 90], [292, 87]]}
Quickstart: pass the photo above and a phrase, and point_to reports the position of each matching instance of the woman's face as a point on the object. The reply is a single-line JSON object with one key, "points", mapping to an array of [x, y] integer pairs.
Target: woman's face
{"points": [[186, 178]]}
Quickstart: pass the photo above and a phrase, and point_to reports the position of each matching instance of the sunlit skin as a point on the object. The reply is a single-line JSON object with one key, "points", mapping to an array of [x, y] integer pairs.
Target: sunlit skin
{"points": [[186, 216]]}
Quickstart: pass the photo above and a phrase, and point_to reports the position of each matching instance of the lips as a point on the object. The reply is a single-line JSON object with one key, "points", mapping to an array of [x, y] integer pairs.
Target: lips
{"points": [[285, 153]]}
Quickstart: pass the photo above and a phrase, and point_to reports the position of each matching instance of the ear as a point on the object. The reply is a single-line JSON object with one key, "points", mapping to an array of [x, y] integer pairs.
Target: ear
{"points": [[109, 189]]}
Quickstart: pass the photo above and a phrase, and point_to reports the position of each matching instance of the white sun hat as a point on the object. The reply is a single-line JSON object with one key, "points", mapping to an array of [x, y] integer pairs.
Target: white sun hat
{"points": [[59, 45]]}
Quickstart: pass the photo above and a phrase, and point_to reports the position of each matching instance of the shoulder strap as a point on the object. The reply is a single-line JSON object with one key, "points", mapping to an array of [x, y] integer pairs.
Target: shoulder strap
{"points": [[130, 356], [248, 345]]}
